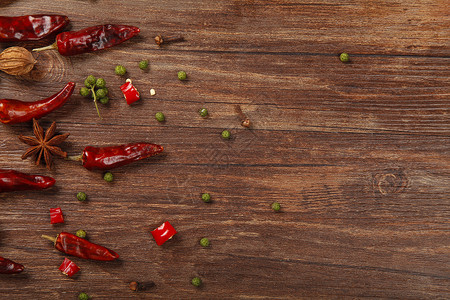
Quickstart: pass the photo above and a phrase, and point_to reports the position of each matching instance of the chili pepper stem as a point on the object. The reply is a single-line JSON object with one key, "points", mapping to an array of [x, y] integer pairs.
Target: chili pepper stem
{"points": [[95, 102], [75, 157], [50, 238], [53, 46]]}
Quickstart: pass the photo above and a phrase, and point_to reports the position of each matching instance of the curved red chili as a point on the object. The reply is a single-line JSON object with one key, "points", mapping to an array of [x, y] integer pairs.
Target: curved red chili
{"points": [[9, 267], [16, 111], [11, 181], [107, 158], [76, 246], [91, 39], [31, 27]]}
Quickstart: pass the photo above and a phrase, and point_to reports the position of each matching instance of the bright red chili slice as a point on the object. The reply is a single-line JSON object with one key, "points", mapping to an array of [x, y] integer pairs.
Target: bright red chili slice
{"points": [[130, 93], [56, 215], [68, 267], [163, 233]]}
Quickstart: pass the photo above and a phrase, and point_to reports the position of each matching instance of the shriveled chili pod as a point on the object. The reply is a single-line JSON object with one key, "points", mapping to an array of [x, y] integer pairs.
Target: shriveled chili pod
{"points": [[107, 158], [16, 111], [71, 244], [163, 233], [11, 181], [68, 267], [9, 267], [91, 39], [130, 93], [30, 27]]}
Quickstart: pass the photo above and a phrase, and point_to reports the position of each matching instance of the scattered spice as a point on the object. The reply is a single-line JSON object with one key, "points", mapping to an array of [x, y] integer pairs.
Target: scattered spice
{"points": [[203, 112], [96, 88], [159, 40], [163, 233], [16, 61], [152, 92], [69, 268], [81, 196], [275, 206], [56, 216], [204, 242], [44, 145], [9, 267], [141, 286], [344, 57], [81, 233], [160, 117], [11, 181], [143, 64], [245, 121], [130, 93], [120, 70], [196, 281], [226, 134], [206, 197], [83, 296], [182, 75], [108, 177]]}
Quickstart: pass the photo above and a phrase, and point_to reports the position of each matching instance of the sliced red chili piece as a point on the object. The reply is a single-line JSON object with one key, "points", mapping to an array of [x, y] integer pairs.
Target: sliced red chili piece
{"points": [[56, 215], [68, 267], [130, 93], [163, 233]]}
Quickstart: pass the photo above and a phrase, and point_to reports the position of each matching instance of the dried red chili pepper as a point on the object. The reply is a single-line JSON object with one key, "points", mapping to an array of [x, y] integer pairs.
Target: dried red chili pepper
{"points": [[56, 216], [9, 267], [91, 39], [11, 181], [71, 244], [68, 267], [16, 111], [130, 93], [31, 27], [107, 158], [163, 233]]}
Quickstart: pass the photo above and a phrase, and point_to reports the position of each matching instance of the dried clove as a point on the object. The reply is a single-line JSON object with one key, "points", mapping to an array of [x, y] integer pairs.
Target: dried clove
{"points": [[159, 40]]}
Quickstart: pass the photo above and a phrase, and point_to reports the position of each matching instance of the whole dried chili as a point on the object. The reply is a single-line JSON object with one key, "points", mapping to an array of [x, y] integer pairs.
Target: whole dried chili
{"points": [[31, 27], [9, 267], [16, 111], [71, 244], [11, 181], [91, 39], [107, 158]]}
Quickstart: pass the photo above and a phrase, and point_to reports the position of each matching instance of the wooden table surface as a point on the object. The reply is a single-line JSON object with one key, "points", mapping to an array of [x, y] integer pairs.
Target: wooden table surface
{"points": [[357, 154]]}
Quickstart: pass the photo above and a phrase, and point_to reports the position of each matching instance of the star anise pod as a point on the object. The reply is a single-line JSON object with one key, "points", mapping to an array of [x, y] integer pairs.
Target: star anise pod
{"points": [[44, 144]]}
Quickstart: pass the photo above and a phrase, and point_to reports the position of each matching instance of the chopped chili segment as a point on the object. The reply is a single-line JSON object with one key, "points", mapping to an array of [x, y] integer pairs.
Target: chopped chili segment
{"points": [[56, 215], [163, 233], [130, 93], [69, 268]]}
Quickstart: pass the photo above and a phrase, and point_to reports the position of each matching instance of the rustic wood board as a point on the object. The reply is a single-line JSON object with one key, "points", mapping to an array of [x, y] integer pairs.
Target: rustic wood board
{"points": [[357, 154]]}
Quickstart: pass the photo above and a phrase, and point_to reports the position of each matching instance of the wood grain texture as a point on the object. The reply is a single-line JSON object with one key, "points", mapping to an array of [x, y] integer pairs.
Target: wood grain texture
{"points": [[357, 154]]}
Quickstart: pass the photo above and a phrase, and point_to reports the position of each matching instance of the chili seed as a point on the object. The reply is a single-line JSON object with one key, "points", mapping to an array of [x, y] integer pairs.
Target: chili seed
{"points": [[196, 281], [81, 233], [204, 242], [84, 91], [82, 196], [226, 134], [206, 197], [182, 75], [160, 117], [108, 177], [104, 100], [203, 112], [83, 296], [143, 64], [100, 83], [344, 57], [276, 206], [120, 70]]}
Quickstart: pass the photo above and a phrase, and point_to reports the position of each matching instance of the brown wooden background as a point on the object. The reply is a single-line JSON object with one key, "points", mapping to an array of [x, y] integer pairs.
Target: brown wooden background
{"points": [[357, 154]]}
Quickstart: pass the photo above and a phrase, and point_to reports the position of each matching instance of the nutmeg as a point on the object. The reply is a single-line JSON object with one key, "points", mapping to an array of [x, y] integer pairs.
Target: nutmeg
{"points": [[16, 61]]}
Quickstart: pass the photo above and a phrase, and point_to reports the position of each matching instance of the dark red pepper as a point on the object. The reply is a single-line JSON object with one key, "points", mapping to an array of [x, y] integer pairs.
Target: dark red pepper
{"points": [[163, 233], [107, 158], [68, 267], [9, 267], [130, 93], [11, 181], [91, 39], [76, 246], [16, 111], [31, 27]]}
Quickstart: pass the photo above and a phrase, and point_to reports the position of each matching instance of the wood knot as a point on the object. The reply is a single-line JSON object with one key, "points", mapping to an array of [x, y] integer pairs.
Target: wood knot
{"points": [[50, 67], [390, 182]]}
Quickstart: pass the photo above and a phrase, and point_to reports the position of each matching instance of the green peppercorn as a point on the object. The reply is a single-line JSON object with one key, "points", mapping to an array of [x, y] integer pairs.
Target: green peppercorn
{"points": [[81, 233], [182, 75], [204, 242], [100, 83], [196, 281], [143, 64], [160, 117], [206, 197], [276, 206], [90, 81], [203, 112], [120, 70], [84, 91], [226, 134], [101, 93], [344, 57], [104, 100], [83, 296], [108, 177], [82, 196]]}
